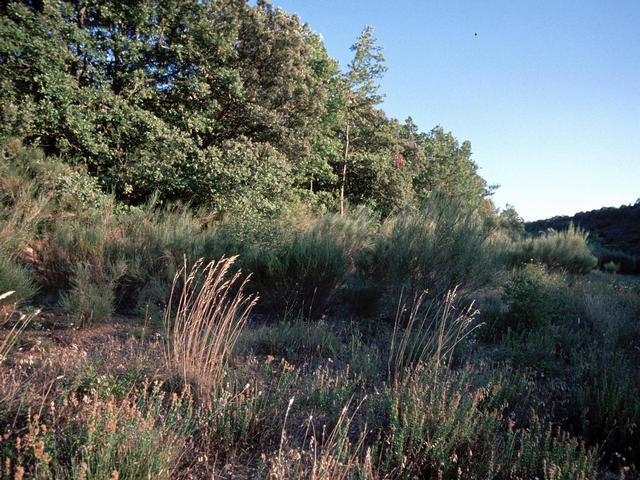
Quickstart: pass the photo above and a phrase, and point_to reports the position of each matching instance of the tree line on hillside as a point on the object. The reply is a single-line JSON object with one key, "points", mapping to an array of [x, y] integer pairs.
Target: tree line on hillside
{"points": [[228, 106], [614, 234]]}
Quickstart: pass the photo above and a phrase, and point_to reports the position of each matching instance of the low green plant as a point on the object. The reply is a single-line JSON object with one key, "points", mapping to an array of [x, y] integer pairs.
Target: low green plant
{"points": [[294, 339], [611, 267], [530, 350], [437, 428], [91, 298], [14, 277], [139, 437], [541, 451], [329, 391], [607, 397], [530, 301]]}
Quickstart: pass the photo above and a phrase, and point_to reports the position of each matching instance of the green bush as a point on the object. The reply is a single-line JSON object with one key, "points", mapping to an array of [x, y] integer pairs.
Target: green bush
{"points": [[436, 248], [298, 263], [91, 298], [620, 261], [24, 199], [531, 303], [566, 250], [15, 277]]}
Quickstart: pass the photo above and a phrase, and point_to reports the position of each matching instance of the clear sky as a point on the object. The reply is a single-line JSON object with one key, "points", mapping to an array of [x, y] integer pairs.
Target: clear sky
{"points": [[548, 91]]}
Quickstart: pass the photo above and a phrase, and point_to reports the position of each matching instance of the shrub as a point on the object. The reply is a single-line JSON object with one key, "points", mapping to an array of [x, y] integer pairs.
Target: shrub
{"points": [[437, 428], [530, 302], [567, 250], [607, 397], [620, 261], [541, 451], [434, 249], [16, 278], [91, 298], [23, 200], [202, 325], [299, 262], [141, 437], [611, 267]]}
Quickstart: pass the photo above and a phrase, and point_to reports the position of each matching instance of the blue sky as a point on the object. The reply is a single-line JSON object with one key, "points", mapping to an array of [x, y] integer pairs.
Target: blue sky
{"points": [[548, 92]]}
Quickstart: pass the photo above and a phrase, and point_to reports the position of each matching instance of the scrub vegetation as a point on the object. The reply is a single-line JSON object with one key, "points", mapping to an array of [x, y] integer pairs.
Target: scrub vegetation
{"points": [[218, 259]]}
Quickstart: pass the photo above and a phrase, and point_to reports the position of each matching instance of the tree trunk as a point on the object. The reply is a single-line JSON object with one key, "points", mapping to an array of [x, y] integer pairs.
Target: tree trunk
{"points": [[344, 171]]}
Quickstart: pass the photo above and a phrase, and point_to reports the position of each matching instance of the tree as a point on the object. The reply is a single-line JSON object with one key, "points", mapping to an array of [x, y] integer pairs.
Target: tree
{"points": [[163, 94], [448, 170], [361, 93]]}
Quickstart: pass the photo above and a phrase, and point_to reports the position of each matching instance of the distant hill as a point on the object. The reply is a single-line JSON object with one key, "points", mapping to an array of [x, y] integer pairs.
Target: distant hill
{"points": [[611, 229]]}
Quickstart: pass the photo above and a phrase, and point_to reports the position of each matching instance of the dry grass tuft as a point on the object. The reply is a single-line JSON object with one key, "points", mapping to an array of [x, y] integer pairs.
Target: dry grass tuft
{"points": [[203, 324]]}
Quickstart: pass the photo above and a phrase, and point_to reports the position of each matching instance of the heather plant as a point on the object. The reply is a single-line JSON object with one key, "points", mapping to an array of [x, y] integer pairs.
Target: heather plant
{"points": [[142, 436], [448, 427], [540, 451], [607, 397], [437, 428]]}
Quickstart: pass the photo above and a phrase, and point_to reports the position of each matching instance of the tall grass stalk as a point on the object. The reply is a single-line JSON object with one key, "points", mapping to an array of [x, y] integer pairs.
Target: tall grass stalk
{"points": [[202, 329], [428, 336]]}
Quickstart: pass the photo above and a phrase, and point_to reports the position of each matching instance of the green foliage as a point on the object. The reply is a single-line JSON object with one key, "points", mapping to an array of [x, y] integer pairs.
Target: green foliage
{"points": [[448, 170], [14, 277], [299, 262], [148, 97], [436, 248], [137, 438], [78, 191], [530, 302], [24, 200], [567, 250], [607, 399], [614, 261], [91, 299], [294, 340], [439, 429], [543, 452], [241, 112]]}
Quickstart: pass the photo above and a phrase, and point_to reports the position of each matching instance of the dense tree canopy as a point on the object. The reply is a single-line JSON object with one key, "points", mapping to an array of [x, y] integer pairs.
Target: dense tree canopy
{"points": [[233, 107]]}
